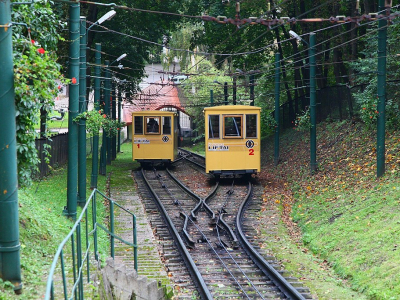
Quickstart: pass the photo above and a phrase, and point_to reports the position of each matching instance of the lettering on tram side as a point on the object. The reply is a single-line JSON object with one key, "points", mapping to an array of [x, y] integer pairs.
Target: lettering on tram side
{"points": [[217, 147], [141, 141]]}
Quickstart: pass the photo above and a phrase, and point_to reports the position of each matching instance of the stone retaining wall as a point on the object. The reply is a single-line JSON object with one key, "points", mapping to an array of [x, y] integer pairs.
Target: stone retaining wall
{"points": [[115, 282]]}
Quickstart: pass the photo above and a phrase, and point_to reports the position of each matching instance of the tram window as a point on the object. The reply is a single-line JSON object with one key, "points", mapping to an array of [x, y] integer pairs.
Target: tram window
{"points": [[251, 126], [166, 125], [213, 126], [232, 126], [152, 125], [138, 125]]}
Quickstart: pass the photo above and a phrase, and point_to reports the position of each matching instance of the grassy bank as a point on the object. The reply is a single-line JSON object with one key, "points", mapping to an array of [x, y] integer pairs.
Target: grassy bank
{"points": [[43, 227], [343, 221]]}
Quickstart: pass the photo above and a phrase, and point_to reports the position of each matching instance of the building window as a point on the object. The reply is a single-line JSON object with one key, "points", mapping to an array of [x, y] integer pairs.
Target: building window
{"points": [[138, 125], [251, 126], [152, 125], [232, 126], [213, 126], [166, 125]]}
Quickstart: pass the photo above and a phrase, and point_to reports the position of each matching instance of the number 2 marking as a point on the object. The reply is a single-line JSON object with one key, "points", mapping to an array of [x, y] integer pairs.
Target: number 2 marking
{"points": [[251, 151]]}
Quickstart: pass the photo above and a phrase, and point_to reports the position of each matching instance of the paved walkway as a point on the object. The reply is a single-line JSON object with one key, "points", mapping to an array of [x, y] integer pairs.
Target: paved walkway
{"points": [[149, 262]]}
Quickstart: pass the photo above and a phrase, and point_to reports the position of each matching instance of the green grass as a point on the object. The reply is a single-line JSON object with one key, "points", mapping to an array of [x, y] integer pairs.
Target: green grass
{"points": [[348, 219], [358, 235], [43, 227], [198, 148], [55, 124]]}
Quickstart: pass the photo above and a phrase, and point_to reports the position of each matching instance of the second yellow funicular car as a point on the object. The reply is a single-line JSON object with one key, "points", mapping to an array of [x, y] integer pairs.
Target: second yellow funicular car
{"points": [[154, 136], [232, 137]]}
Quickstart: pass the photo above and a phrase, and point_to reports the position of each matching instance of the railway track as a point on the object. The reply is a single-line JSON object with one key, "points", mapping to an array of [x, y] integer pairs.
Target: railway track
{"points": [[206, 236]]}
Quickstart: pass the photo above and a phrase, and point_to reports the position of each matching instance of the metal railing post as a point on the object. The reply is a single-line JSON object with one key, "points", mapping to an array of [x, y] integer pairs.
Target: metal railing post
{"points": [[112, 227], [135, 256], [94, 217], [87, 245], [63, 275], [73, 260], [79, 259]]}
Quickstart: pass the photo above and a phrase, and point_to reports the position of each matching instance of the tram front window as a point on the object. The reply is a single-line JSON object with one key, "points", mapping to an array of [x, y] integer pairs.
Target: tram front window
{"points": [[138, 125], [251, 126], [166, 125], [152, 125], [232, 126], [213, 127]]}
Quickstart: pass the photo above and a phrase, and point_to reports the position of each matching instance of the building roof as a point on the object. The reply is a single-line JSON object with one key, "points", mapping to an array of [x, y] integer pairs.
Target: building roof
{"points": [[156, 96]]}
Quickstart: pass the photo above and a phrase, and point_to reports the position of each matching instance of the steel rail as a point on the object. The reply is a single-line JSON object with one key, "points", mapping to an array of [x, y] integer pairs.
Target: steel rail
{"points": [[193, 270], [228, 229], [257, 258], [190, 192], [221, 259], [192, 161], [221, 243]]}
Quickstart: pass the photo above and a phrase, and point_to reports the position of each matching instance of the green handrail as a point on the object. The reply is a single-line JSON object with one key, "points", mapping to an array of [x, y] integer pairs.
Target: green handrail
{"points": [[81, 258]]}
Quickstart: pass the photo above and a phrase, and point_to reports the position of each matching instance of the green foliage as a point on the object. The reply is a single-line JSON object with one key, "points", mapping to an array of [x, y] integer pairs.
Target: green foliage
{"points": [[180, 39], [367, 102], [366, 75], [37, 76], [97, 119], [303, 121], [35, 88], [268, 123], [111, 127], [94, 121]]}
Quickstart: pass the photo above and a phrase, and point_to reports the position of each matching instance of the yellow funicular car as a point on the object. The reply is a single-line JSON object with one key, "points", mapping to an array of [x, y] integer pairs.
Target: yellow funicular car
{"points": [[154, 136], [232, 137]]}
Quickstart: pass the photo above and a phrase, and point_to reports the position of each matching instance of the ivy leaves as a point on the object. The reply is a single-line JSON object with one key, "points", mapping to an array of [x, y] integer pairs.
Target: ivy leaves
{"points": [[37, 76]]}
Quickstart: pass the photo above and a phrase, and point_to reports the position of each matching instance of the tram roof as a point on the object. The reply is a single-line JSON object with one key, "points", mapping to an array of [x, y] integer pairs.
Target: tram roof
{"points": [[154, 113], [234, 108]]}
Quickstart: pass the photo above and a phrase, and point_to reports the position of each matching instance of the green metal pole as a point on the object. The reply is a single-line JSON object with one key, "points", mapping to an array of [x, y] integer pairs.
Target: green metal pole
{"points": [[252, 90], [10, 266], [119, 120], [95, 155], [277, 112], [72, 179], [128, 97], [107, 96], [82, 122], [313, 119], [234, 90], [114, 117], [103, 150], [211, 98], [380, 143], [226, 93]]}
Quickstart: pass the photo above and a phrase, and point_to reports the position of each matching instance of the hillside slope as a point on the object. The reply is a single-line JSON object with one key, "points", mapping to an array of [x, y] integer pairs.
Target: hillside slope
{"points": [[343, 221]]}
